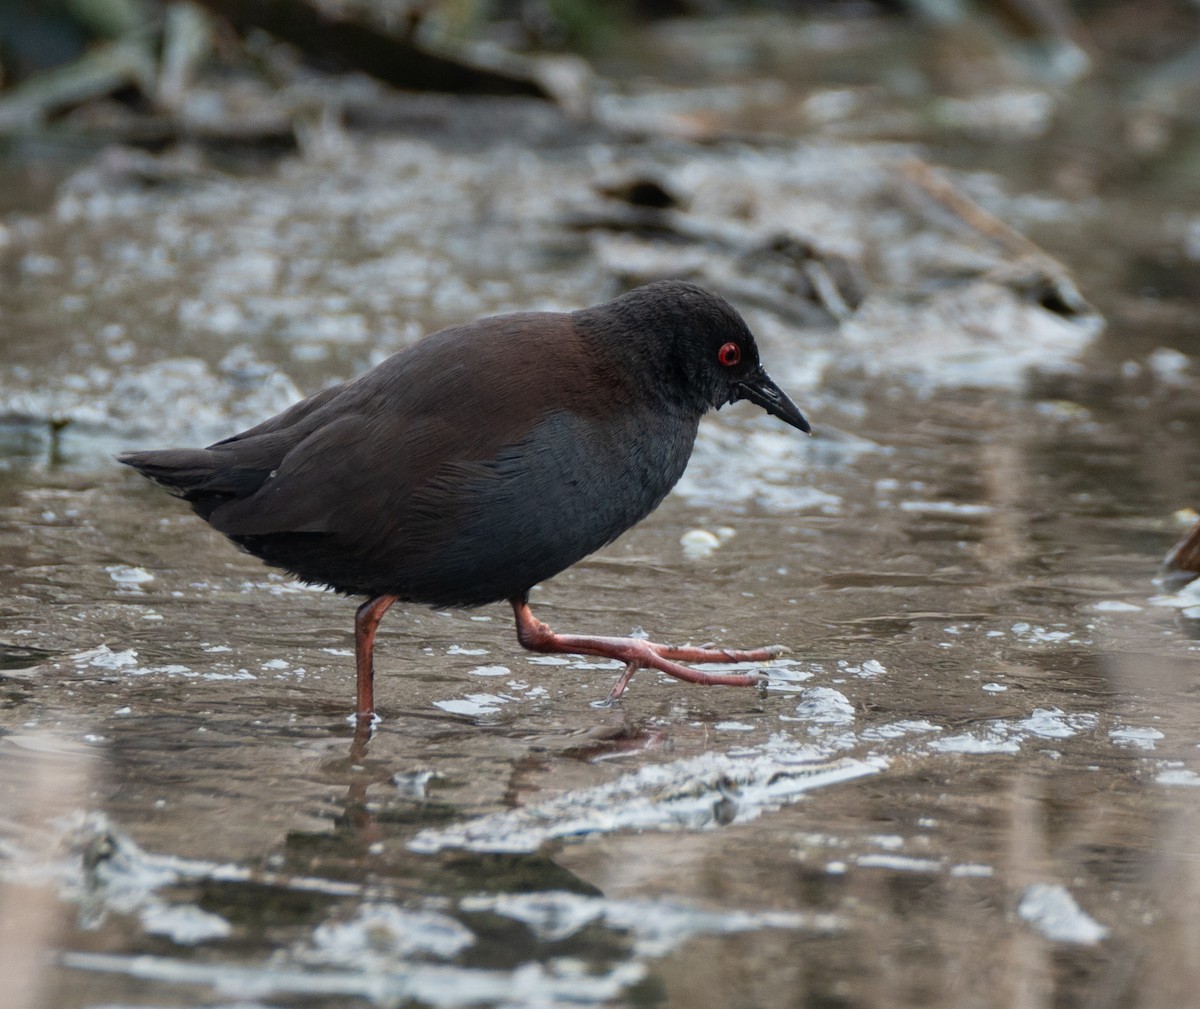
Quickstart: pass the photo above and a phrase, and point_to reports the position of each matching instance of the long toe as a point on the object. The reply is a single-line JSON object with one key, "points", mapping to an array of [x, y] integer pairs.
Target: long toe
{"points": [[687, 653], [645, 656], [687, 673]]}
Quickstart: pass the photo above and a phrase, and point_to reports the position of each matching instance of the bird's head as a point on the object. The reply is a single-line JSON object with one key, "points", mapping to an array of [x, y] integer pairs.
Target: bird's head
{"points": [[693, 348]]}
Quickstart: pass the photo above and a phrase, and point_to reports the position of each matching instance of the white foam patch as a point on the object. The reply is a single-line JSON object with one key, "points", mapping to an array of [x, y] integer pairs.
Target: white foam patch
{"points": [[868, 670], [785, 675], [489, 671], [380, 934], [277, 586], [1115, 606], [184, 924], [899, 863], [1050, 908], [657, 926], [560, 982], [1129, 735], [972, 869], [764, 466], [129, 578], [980, 334], [104, 657], [952, 508], [126, 661], [473, 704], [824, 706], [1053, 723], [698, 543], [413, 784], [981, 742], [897, 730], [1040, 634], [1186, 598], [1178, 776]]}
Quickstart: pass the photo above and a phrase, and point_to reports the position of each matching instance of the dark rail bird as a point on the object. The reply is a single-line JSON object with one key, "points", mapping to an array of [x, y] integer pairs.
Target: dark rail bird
{"points": [[485, 459]]}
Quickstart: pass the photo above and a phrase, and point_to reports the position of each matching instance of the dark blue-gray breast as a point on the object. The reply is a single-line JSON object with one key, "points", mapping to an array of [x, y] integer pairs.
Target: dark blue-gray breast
{"points": [[480, 532]]}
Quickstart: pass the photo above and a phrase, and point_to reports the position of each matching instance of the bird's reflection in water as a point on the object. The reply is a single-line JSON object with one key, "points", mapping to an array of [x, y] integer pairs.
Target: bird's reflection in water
{"points": [[619, 739]]}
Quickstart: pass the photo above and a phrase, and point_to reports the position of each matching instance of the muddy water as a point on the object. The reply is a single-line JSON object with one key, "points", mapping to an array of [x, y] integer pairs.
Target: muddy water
{"points": [[973, 781]]}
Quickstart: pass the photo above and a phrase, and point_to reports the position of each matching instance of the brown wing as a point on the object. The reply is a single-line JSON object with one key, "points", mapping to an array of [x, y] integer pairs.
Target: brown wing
{"points": [[354, 460]]}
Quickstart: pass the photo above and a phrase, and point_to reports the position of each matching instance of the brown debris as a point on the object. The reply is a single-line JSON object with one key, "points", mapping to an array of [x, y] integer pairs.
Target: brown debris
{"points": [[948, 197], [1028, 270], [1182, 564], [341, 44]]}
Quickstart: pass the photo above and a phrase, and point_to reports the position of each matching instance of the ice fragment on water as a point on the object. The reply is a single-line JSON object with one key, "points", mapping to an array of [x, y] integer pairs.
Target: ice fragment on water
{"points": [[104, 657], [696, 793], [825, 706], [1052, 723], [1134, 736], [489, 671]]}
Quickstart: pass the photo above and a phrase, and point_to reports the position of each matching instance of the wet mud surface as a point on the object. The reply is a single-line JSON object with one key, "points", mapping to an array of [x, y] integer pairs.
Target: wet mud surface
{"points": [[975, 779]]}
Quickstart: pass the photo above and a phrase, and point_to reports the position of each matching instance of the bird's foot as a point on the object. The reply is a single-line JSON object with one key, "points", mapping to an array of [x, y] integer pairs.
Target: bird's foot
{"points": [[637, 654]]}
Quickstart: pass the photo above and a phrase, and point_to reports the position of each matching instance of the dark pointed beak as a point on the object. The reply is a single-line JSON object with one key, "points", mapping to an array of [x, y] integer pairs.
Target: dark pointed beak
{"points": [[760, 390]]}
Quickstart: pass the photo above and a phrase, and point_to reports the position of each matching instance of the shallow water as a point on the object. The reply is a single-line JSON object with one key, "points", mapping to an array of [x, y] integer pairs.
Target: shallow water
{"points": [[975, 780]]}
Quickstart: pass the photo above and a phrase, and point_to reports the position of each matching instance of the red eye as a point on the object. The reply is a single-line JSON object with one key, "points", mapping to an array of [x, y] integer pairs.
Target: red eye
{"points": [[729, 355]]}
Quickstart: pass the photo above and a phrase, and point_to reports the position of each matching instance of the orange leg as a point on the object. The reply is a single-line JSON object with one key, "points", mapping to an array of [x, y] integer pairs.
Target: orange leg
{"points": [[638, 654], [366, 620]]}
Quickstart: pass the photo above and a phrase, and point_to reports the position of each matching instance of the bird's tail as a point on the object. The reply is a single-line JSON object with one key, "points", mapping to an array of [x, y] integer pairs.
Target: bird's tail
{"points": [[200, 476]]}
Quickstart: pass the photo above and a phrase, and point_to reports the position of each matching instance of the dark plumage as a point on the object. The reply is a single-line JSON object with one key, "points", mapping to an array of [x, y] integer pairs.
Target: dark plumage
{"points": [[485, 459]]}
